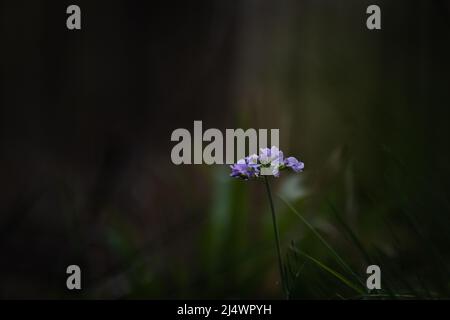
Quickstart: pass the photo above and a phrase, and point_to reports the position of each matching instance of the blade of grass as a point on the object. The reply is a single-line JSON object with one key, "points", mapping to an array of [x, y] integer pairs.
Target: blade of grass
{"points": [[350, 233], [381, 295], [324, 242], [354, 238], [331, 271]]}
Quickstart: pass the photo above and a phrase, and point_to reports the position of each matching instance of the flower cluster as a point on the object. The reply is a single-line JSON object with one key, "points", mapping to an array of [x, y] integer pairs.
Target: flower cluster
{"points": [[269, 162]]}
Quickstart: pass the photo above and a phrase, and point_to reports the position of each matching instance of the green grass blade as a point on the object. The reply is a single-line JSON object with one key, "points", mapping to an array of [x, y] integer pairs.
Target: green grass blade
{"points": [[324, 242], [331, 271]]}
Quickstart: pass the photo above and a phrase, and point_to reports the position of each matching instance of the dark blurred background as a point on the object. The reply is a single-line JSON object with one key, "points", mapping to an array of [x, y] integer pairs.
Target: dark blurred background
{"points": [[86, 176]]}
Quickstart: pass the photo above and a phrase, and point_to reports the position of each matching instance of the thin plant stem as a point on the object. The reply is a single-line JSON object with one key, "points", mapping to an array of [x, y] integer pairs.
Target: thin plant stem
{"points": [[277, 237]]}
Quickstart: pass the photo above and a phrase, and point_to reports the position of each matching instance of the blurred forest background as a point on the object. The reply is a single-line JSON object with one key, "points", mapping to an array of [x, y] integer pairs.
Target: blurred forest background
{"points": [[85, 170]]}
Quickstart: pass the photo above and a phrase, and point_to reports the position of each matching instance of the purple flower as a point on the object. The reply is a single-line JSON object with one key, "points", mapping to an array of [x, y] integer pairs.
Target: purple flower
{"points": [[269, 162], [272, 155], [294, 164], [246, 168]]}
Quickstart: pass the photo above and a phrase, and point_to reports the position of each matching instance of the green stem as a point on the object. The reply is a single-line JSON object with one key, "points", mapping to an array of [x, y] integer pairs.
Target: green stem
{"points": [[277, 237]]}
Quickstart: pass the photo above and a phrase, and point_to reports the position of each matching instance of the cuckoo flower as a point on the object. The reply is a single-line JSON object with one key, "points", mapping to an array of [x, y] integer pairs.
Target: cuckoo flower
{"points": [[273, 154], [269, 162], [246, 168], [294, 164]]}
